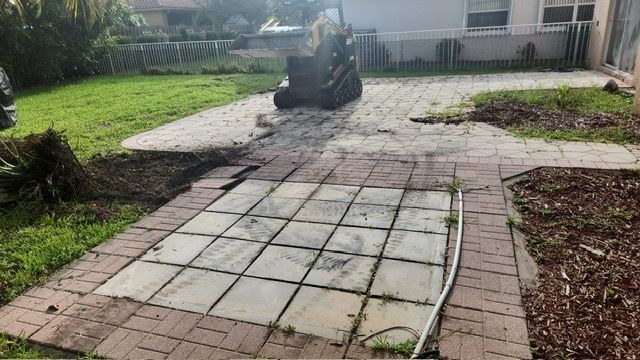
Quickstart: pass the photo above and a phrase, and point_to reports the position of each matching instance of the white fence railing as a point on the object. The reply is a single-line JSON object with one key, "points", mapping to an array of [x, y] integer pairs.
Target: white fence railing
{"points": [[520, 46]]}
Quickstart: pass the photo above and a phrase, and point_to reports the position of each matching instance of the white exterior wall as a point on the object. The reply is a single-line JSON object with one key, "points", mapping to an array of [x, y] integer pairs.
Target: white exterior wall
{"points": [[404, 15], [414, 15], [155, 17], [525, 12]]}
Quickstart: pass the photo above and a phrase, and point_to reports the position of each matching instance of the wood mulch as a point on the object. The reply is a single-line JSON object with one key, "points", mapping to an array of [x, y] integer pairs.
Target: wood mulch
{"points": [[583, 229]]}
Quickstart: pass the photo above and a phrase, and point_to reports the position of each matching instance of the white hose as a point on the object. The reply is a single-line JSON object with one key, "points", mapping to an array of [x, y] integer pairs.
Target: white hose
{"points": [[445, 292]]}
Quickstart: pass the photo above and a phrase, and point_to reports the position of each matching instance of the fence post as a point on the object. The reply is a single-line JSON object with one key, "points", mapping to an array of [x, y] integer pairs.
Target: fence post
{"points": [[144, 60], [179, 56], [401, 52], [575, 46], [113, 71]]}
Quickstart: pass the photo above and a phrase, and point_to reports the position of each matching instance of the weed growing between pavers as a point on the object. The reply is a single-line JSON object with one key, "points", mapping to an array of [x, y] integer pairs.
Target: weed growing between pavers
{"points": [[405, 348]]}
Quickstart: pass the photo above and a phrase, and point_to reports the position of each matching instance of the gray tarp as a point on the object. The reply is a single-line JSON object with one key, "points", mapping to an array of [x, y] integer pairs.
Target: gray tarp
{"points": [[8, 116]]}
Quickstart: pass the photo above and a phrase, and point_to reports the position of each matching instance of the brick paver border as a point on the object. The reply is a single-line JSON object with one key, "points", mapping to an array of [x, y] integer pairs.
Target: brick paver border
{"points": [[483, 317]]}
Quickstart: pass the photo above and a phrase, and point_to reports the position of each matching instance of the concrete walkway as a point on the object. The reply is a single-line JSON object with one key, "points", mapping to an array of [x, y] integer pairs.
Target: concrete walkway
{"points": [[379, 123]]}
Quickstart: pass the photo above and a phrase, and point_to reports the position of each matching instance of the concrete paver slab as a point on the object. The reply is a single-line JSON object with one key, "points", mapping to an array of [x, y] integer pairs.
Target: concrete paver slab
{"points": [[235, 203], [342, 193], [138, 281], [416, 246], [422, 220], [435, 200], [255, 300], [256, 187], [178, 249], [341, 271], [304, 234], [408, 281], [277, 207], [357, 240], [322, 312], [209, 223], [381, 313], [194, 290], [295, 190], [282, 263], [322, 211], [255, 228], [376, 216], [378, 196], [230, 255]]}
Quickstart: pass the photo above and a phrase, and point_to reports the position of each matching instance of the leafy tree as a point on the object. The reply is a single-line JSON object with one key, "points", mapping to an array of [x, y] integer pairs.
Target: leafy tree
{"points": [[48, 42]]}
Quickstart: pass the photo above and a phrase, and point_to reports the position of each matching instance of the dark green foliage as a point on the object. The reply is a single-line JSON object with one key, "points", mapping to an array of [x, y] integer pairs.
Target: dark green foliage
{"points": [[55, 46], [210, 35], [151, 38], [196, 37], [176, 38], [123, 39]]}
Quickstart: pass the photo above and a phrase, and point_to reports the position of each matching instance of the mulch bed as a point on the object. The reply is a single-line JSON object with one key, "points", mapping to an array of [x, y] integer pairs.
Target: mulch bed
{"points": [[508, 115], [583, 229]]}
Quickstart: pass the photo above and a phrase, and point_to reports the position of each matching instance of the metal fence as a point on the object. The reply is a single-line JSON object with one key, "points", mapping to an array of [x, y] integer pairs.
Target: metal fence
{"points": [[521, 46]]}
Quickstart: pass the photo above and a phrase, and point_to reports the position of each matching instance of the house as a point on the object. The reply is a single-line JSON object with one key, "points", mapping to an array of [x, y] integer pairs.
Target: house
{"points": [[165, 13], [238, 24], [415, 15], [615, 39]]}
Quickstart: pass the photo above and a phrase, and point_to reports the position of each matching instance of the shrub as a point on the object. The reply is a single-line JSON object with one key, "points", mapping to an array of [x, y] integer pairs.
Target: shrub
{"points": [[150, 38], [167, 71], [210, 35], [195, 37], [528, 52], [175, 38], [221, 69], [122, 39], [227, 35], [448, 50]]}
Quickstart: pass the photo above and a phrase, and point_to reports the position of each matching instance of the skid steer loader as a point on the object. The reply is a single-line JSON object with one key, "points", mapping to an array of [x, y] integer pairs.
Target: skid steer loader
{"points": [[320, 52]]}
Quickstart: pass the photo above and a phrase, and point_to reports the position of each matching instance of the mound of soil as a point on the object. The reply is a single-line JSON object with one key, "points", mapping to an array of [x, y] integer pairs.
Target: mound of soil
{"points": [[583, 228], [512, 114], [148, 178]]}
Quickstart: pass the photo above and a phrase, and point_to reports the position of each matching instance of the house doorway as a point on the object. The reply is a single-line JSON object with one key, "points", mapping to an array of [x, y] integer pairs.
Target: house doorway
{"points": [[624, 35]]}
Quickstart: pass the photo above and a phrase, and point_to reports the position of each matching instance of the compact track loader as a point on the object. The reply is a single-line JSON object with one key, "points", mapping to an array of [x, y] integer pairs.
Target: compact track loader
{"points": [[320, 52]]}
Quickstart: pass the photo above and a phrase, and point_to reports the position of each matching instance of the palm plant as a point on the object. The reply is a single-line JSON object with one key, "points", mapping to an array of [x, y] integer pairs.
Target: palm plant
{"points": [[88, 11]]}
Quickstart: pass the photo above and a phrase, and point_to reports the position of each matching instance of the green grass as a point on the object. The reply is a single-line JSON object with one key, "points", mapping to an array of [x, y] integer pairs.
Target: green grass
{"points": [[615, 135], [408, 73], [18, 349], [34, 244], [581, 100], [99, 112]]}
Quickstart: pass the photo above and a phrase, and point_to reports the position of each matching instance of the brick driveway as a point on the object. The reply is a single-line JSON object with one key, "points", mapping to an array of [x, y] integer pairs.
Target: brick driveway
{"points": [[327, 240]]}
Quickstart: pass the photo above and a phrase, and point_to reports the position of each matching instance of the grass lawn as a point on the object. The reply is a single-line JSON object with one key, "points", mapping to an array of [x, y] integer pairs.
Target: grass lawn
{"points": [[99, 112], [581, 100], [588, 103]]}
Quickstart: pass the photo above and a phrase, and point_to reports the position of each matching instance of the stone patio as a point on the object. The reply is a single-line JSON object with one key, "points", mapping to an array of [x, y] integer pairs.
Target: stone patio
{"points": [[295, 258], [378, 123]]}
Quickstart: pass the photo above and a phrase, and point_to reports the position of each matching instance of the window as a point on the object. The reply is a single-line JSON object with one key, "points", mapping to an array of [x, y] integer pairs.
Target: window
{"points": [[562, 11], [488, 13]]}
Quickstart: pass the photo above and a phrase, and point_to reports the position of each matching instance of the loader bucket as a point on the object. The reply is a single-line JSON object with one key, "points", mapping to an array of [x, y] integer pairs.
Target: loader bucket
{"points": [[274, 45]]}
